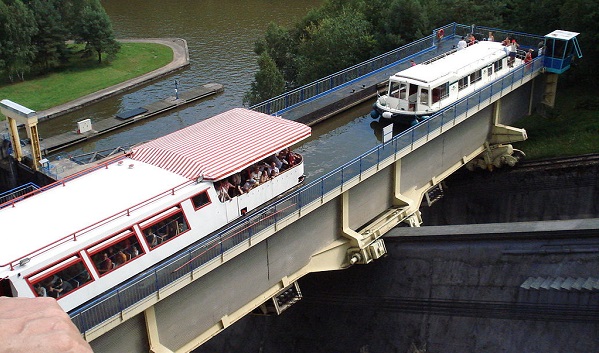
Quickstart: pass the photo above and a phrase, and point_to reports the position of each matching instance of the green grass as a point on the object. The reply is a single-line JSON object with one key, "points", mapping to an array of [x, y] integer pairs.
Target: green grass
{"points": [[85, 76], [569, 129]]}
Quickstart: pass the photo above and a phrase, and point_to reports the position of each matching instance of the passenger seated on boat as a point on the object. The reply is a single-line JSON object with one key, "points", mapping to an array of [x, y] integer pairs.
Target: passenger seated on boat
{"points": [[283, 157], [247, 186], [40, 290], [292, 159], [274, 159], [236, 189], [134, 251], [274, 171], [105, 264], [60, 288], [120, 258], [226, 186], [161, 232], [223, 195], [254, 174], [152, 238], [264, 177]]}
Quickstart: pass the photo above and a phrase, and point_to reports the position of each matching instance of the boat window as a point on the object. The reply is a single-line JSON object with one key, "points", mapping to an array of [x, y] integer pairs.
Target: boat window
{"points": [[394, 88], [424, 96], [109, 255], [159, 216], [403, 89], [489, 71], [498, 65], [60, 279], [165, 229], [413, 90], [475, 76], [440, 92], [463, 83], [200, 200]]}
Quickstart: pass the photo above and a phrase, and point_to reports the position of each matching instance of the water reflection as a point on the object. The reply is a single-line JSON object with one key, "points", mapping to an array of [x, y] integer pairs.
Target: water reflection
{"points": [[378, 127]]}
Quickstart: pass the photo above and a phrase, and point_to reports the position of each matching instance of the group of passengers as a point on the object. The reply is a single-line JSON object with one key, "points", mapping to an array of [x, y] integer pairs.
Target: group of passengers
{"points": [[467, 41], [54, 287], [256, 174], [165, 230], [115, 256], [59, 284]]}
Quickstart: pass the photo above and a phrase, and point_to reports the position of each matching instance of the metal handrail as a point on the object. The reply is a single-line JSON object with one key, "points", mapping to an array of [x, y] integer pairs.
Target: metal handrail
{"points": [[149, 282]]}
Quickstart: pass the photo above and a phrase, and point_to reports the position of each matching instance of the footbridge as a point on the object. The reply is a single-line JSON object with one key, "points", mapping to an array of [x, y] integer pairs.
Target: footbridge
{"points": [[336, 221]]}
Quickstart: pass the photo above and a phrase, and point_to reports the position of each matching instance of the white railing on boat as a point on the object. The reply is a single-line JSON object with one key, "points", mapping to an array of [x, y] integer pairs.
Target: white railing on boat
{"points": [[147, 284]]}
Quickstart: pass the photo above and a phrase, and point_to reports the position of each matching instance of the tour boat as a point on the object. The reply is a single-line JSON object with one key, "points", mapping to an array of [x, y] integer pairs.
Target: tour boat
{"points": [[79, 237], [423, 89]]}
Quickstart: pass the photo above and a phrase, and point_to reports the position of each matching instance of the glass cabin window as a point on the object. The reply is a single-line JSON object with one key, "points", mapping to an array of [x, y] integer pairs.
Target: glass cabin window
{"points": [[440, 92], [463, 83], [424, 96], [200, 200], [498, 65], [60, 279], [164, 229], [115, 252], [475, 76], [402, 91], [394, 88]]}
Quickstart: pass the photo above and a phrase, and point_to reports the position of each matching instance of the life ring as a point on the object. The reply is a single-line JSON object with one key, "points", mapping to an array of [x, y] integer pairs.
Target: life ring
{"points": [[440, 33]]}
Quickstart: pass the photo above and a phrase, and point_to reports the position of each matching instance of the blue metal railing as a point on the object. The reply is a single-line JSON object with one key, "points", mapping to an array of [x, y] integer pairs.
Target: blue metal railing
{"points": [[17, 192], [153, 280]]}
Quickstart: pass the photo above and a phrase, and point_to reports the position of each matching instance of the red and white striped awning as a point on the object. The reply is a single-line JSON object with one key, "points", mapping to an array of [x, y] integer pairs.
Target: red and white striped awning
{"points": [[222, 145]]}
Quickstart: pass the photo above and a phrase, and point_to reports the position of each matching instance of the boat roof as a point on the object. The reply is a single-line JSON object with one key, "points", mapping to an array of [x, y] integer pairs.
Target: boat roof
{"points": [[221, 145], [452, 63], [66, 208], [561, 34]]}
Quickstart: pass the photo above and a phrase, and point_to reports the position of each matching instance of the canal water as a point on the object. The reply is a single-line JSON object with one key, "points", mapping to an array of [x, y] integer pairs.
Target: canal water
{"points": [[220, 36]]}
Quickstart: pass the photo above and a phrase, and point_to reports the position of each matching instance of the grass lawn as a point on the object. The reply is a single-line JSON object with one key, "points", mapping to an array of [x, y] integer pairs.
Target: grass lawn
{"points": [[570, 129], [84, 76]]}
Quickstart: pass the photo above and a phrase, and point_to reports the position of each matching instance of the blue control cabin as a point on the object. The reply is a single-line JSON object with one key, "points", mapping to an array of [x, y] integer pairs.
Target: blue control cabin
{"points": [[560, 48]]}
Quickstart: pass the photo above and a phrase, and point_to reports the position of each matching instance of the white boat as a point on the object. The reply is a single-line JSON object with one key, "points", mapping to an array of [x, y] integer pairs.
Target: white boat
{"points": [[421, 90], [80, 237]]}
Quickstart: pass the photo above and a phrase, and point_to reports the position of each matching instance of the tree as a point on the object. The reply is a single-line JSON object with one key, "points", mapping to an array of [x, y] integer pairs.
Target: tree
{"points": [[487, 13], [582, 16], [401, 22], [51, 36], [18, 27], [94, 28], [268, 81], [333, 44], [281, 46]]}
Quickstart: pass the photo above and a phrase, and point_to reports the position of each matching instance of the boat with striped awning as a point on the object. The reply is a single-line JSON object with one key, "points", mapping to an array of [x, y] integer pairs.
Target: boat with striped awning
{"points": [[117, 219]]}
